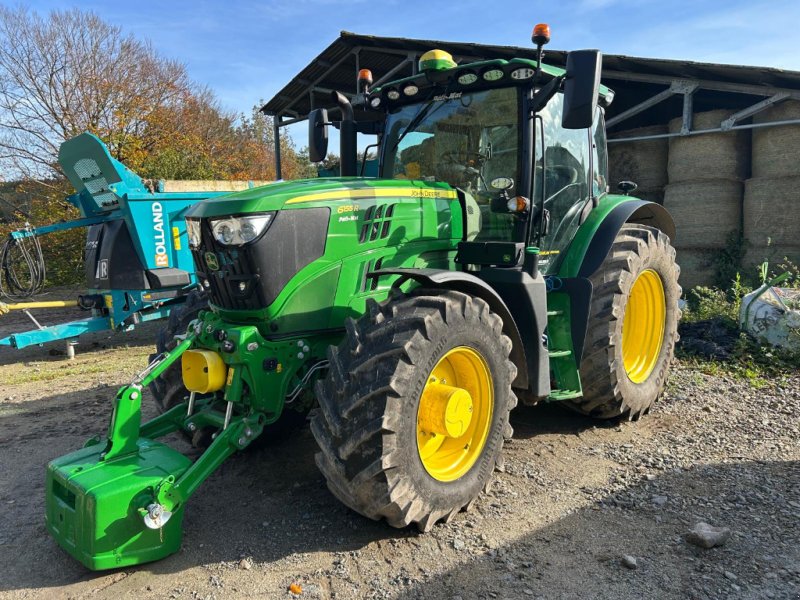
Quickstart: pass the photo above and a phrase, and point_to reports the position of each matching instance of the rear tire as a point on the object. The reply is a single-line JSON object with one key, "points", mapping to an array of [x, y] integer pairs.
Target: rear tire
{"points": [[369, 426], [625, 379]]}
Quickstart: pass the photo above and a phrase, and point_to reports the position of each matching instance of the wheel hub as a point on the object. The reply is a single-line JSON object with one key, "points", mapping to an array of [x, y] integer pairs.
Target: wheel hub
{"points": [[643, 326], [455, 414], [445, 409]]}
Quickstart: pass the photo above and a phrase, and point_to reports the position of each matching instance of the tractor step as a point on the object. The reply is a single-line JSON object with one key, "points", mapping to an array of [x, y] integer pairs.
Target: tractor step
{"points": [[557, 395]]}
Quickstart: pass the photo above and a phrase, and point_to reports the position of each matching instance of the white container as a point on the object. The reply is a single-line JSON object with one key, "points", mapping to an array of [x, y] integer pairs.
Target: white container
{"points": [[772, 315]]}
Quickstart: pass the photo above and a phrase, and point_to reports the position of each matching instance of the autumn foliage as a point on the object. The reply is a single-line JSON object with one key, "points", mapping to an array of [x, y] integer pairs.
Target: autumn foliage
{"points": [[68, 72]]}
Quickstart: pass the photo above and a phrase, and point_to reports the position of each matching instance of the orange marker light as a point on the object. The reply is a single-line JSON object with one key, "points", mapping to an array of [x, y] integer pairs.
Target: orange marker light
{"points": [[541, 34], [365, 77], [518, 204]]}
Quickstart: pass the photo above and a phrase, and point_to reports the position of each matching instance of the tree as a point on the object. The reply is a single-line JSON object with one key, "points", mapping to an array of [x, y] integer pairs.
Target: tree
{"points": [[72, 72]]}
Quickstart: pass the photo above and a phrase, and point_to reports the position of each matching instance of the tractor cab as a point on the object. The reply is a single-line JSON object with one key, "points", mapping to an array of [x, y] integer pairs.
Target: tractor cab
{"points": [[526, 171]]}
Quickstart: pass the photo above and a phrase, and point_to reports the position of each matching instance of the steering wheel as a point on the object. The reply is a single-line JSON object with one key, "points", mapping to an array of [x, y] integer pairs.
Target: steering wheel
{"points": [[463, 157], [565, 172], [455, 168], [555, 196]]}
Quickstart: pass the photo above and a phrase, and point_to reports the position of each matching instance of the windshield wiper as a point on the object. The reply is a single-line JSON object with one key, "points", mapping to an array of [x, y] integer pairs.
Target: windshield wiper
{"points": [[418, 118], [414, 123]]}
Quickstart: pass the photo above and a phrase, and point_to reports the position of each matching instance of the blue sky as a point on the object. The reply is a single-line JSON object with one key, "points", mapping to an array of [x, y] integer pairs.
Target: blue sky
{"points": [[246, 50]]}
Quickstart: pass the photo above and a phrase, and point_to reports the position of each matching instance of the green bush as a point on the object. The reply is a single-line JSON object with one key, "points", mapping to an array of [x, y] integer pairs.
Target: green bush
{"points": [[712, 341], [63, 251]]}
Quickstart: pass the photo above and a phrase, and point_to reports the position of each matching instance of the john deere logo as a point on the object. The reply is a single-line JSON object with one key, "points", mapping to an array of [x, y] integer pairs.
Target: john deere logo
{"points": [[211, 261]]}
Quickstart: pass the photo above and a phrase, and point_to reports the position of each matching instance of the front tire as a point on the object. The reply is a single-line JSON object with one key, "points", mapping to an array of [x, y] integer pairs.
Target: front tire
{"points": [[633, 326], [414, 410], [167, 388]]}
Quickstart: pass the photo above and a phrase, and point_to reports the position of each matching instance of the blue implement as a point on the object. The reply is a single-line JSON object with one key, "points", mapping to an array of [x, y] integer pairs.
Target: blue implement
{"points": [[138, 262]]}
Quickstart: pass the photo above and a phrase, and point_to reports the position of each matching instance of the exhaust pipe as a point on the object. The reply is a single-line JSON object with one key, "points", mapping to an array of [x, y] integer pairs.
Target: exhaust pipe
{"points": [[348, 166]]}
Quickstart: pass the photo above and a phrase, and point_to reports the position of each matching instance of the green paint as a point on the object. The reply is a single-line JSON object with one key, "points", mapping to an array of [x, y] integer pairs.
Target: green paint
{"points": [[92, 505], [571, 262], [562, 357]]}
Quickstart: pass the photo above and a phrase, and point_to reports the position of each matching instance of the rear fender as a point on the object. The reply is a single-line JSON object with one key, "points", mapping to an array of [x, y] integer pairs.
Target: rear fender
{"points": [[469, 284], [596, 235], [592, 244]]}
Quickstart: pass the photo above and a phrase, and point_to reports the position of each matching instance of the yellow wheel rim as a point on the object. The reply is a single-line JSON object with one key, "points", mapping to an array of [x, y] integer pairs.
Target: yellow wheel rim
{"points": [[455, 414], [643, 326]]}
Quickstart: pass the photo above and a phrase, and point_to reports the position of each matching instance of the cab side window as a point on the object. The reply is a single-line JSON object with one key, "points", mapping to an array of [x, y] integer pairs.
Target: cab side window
{"points": [[562, 178], [600, 155]]}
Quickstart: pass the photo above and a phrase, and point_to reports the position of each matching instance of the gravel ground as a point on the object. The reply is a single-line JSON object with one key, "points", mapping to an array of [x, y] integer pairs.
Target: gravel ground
{"points": [[580, 509]]}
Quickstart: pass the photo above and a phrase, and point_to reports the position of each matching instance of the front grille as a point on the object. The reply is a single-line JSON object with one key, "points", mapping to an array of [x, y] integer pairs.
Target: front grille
{"points": [[294, 239], [234, 265]]}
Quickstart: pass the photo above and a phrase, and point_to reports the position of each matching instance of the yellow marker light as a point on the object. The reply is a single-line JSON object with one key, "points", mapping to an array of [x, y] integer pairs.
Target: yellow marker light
{"points": [[436, 60], [203, 371]]}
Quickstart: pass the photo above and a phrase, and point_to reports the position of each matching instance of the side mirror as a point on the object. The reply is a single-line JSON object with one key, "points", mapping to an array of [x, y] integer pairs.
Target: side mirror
{"points": [[317, 135], [581, 88]]}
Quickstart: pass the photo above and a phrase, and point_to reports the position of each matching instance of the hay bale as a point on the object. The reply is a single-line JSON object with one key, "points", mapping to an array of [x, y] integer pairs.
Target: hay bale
{"points": [[644, 161], [698, 267], [705, 211], [211, 185], [772, 211], [775, 255], [775, 149], [656, 195], [711, 155]]}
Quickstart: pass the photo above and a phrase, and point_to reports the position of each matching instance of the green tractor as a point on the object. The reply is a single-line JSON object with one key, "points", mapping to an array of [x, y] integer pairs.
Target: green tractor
{"points": [[407, 313]]}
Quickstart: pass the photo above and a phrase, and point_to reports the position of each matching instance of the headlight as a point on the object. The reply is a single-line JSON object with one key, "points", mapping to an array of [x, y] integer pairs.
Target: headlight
{"points": [[236, 231], [193, 232]]}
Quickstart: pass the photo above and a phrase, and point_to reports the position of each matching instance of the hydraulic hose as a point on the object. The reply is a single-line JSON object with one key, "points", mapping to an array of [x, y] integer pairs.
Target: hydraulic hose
{"points": [[22, 268]]}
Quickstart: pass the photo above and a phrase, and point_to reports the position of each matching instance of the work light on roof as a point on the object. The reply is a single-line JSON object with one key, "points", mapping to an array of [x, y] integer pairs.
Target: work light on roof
{"points": [[393, 94], [493, 74], [436, 60], [522, 73], [410, 90], [467, 78], [375, 101]]}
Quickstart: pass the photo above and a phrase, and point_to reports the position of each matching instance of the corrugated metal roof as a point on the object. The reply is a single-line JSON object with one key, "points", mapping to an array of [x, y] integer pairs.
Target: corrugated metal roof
{"points": [[631, 77]]}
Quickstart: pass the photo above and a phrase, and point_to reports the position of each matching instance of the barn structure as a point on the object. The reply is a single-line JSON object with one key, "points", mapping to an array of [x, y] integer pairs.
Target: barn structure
{"points": [[716, 144]]}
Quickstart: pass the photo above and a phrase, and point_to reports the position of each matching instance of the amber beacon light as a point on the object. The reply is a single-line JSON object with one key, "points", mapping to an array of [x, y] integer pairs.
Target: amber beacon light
{"points": [[364, 79], [541, 34]]}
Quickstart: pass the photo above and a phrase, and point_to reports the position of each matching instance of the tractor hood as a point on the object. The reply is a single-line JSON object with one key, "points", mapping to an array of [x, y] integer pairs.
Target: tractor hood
{"points": [[315, 192]]}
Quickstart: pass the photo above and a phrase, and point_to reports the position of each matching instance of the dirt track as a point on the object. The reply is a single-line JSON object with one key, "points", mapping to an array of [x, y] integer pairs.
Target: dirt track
{"points": [[574, 498]]}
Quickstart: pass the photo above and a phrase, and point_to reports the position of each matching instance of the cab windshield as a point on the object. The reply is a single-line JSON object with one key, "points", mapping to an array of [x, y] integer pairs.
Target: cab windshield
{"points": [[466, 139]]}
